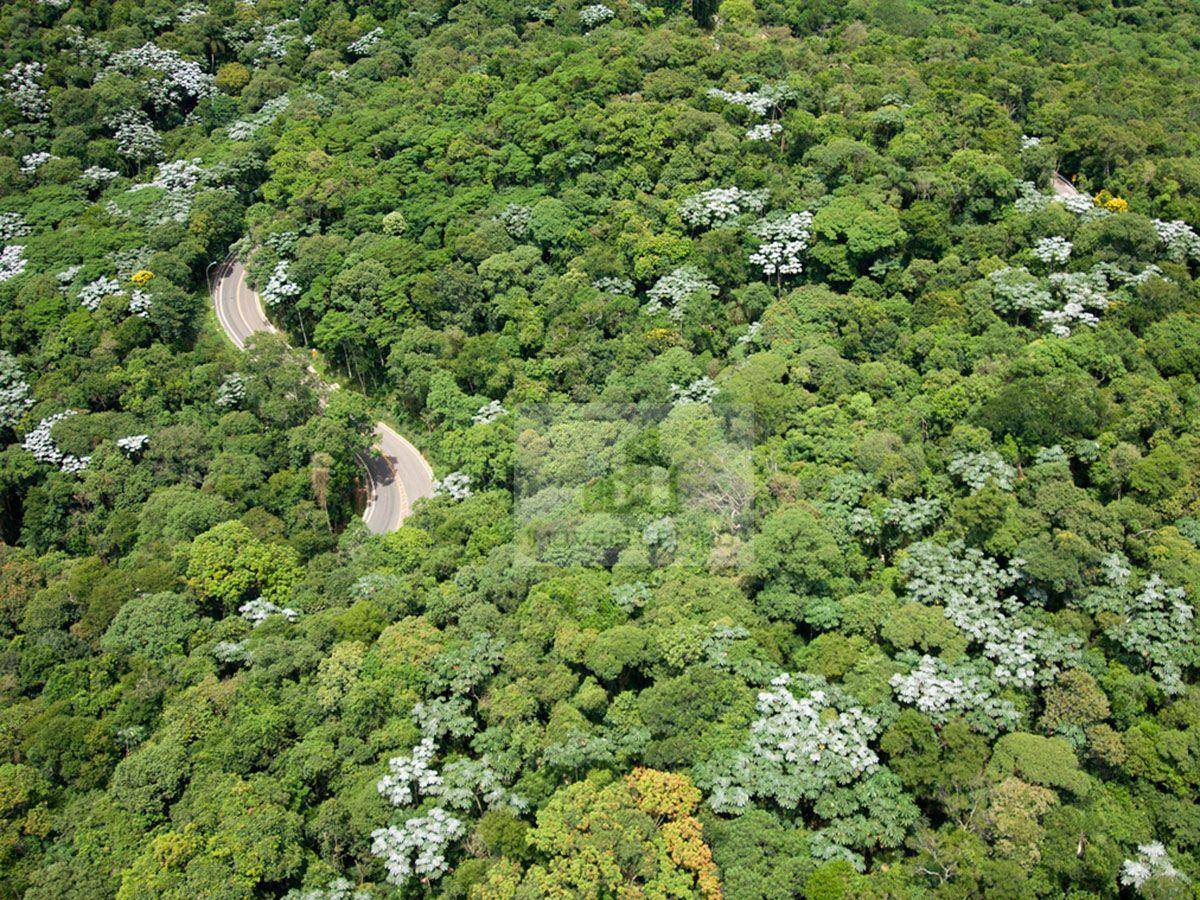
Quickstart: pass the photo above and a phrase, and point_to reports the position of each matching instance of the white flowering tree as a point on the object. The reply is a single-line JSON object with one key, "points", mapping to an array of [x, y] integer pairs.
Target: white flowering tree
{"points": [[943, 691], [783, 240], [456, 486], [1017, 291], [768, 100], [410, 777], [275, 38], [15, 396], [232, 391], [911, 517], [174, 186], [1179, 240], [137, 141], [169, 78], [246, 128], [1081, 296], [978, 470], [13, 226], [280, 287], [516, 218], [94, 292], [764, 131], [765, 103], [804, 742], [12, 261], [719, 205], [899, 522], [595, 15], [129, 260], [444, 717], [631, 596], [977, 596], [1030, 199], [140, 304], [753, 331], [94, 177], [489, 412], [66, 278], [1066, 301], [417, 845], [672, 289], [614, 286], [31, 162], [1053, 251], [367, 44], [40, 443], [1062, 300], [231, 652], [259, 610], [702, 390], [1151, 621], [1050, 456], [23, 88], [810, 748], [1151, 863], [133, 444], [337, 889]]}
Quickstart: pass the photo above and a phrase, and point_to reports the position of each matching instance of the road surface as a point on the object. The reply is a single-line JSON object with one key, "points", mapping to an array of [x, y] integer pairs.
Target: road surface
{"points": [[396, 473], [1062, 187]]}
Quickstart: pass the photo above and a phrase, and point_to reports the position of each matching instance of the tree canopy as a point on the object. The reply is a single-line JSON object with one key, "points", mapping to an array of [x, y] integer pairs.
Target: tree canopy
{"points": [[811, 392]]}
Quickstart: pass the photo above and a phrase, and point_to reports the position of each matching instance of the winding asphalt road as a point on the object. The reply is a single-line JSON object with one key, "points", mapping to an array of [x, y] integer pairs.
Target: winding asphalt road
{"points": [[396, 473]]}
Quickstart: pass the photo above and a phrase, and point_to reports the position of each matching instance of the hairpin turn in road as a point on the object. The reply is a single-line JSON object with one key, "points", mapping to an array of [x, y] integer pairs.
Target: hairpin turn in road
{"points": [[396, 473]]}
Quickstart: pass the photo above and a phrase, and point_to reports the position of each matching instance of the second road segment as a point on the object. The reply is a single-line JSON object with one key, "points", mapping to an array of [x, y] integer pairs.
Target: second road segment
{"points": [[396, 473]]}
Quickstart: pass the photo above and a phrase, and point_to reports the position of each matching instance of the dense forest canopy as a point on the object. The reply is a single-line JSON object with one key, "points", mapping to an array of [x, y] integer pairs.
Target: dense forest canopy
{"points": [[818, 507]]}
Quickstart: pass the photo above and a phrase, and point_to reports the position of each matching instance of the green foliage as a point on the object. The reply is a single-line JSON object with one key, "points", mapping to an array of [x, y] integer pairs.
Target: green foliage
{"points": [[149, 780], [1046, 761], [154, 625], [795, 546], [945, 478], [239, 837], [228, 565], [599, 836]]}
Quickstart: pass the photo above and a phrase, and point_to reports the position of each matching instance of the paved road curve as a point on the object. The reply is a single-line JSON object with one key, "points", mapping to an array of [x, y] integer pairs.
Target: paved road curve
{"points": [[396, 473], [1062, 187]]}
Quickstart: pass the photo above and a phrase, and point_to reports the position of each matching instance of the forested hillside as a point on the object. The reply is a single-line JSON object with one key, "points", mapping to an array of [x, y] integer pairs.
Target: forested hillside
{"points": [[818, 500]]}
